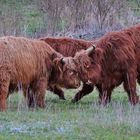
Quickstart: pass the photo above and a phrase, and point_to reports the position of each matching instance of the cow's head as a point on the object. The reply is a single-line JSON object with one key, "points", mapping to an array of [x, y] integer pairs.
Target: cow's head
{"points": [[66, 74], [88, 64]]}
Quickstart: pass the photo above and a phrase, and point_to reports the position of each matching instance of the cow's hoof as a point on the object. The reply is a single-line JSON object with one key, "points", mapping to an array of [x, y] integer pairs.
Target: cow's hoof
{"points": [[62, 98]]}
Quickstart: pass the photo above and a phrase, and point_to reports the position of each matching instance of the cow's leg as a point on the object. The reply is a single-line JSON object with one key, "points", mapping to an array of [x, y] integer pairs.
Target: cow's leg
{"points": [[86, 89], [109, 93], [39, 90], [104, 95], [130, 86], [4, 89], [58, 91], [99, 88], [138, 78], [29, 96]]}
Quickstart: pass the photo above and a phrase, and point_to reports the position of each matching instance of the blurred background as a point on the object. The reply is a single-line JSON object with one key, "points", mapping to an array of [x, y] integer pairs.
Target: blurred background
{"points": [[86, 19]]}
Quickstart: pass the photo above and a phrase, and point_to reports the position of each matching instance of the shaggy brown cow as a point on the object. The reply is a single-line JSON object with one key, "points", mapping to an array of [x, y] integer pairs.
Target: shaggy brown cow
{"points": [[68, 47], [112, 62], [134, 34], [31, 63]]}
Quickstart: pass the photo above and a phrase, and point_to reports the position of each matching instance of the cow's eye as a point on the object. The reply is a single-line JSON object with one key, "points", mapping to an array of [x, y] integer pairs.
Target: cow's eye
{"points": [[71, 72]]}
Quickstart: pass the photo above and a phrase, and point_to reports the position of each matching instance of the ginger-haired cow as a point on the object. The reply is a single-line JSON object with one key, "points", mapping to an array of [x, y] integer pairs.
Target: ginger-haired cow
{"points": [[68, 47], [31, 63], [132, 33], [110, 63]]}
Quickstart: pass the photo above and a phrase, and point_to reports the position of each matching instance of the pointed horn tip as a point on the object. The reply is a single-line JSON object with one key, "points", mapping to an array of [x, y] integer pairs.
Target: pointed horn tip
{"points": [[94, 46], [63, 60], [90, 49]]}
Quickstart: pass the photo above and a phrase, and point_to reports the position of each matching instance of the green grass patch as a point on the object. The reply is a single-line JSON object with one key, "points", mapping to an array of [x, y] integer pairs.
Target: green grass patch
{"points": [[62, 120]]}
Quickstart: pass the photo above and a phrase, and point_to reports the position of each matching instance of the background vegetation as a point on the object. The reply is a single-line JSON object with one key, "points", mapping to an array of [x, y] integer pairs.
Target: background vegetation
{"points": [[63, 120], [85, 18]]}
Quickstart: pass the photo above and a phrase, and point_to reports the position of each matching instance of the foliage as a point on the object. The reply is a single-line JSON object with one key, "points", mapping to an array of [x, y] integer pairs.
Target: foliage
{"points": [[35, 18]]}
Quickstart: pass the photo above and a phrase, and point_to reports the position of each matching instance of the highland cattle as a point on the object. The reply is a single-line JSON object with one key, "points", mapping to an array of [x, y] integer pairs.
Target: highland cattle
{"points": [[111, 62], [68, 47], [32, 63]]}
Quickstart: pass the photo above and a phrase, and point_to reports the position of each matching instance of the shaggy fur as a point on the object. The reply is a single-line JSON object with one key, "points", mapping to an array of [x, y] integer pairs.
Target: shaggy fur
{"points": [[111, 63], [68, 47], [31, 63], [134, 33]]}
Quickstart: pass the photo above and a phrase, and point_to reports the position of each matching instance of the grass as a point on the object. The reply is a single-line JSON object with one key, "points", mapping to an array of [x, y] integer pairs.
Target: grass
{"points": [[62, 120]]}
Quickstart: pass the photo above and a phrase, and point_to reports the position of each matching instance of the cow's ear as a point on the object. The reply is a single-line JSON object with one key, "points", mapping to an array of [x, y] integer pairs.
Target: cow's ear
{"points": [[90, 50], [56, 56]]}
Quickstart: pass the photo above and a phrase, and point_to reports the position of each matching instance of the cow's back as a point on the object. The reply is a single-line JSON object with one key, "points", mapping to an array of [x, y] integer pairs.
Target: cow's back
{"points": [[67, 46], [23, 58], [134, 33]]}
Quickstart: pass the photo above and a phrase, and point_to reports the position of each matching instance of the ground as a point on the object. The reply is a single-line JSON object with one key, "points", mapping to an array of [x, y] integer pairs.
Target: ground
{"points": [[62, 120]]}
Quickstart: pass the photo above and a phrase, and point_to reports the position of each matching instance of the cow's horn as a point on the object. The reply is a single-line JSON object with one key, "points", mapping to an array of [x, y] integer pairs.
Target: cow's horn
{"points": [[62, 60], [90, 49]]}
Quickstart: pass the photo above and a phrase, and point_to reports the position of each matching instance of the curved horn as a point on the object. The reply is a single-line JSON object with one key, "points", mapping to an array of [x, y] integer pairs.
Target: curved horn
{"points": [[62, 60], [90, 49]]}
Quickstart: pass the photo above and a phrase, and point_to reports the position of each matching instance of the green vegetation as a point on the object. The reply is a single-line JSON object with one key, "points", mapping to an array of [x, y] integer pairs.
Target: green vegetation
{"points": [[33, 18], [62, 120]]}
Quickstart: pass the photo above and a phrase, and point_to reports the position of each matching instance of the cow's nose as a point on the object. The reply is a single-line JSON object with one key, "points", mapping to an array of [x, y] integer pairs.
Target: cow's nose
{"points": [[77, 85]]}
